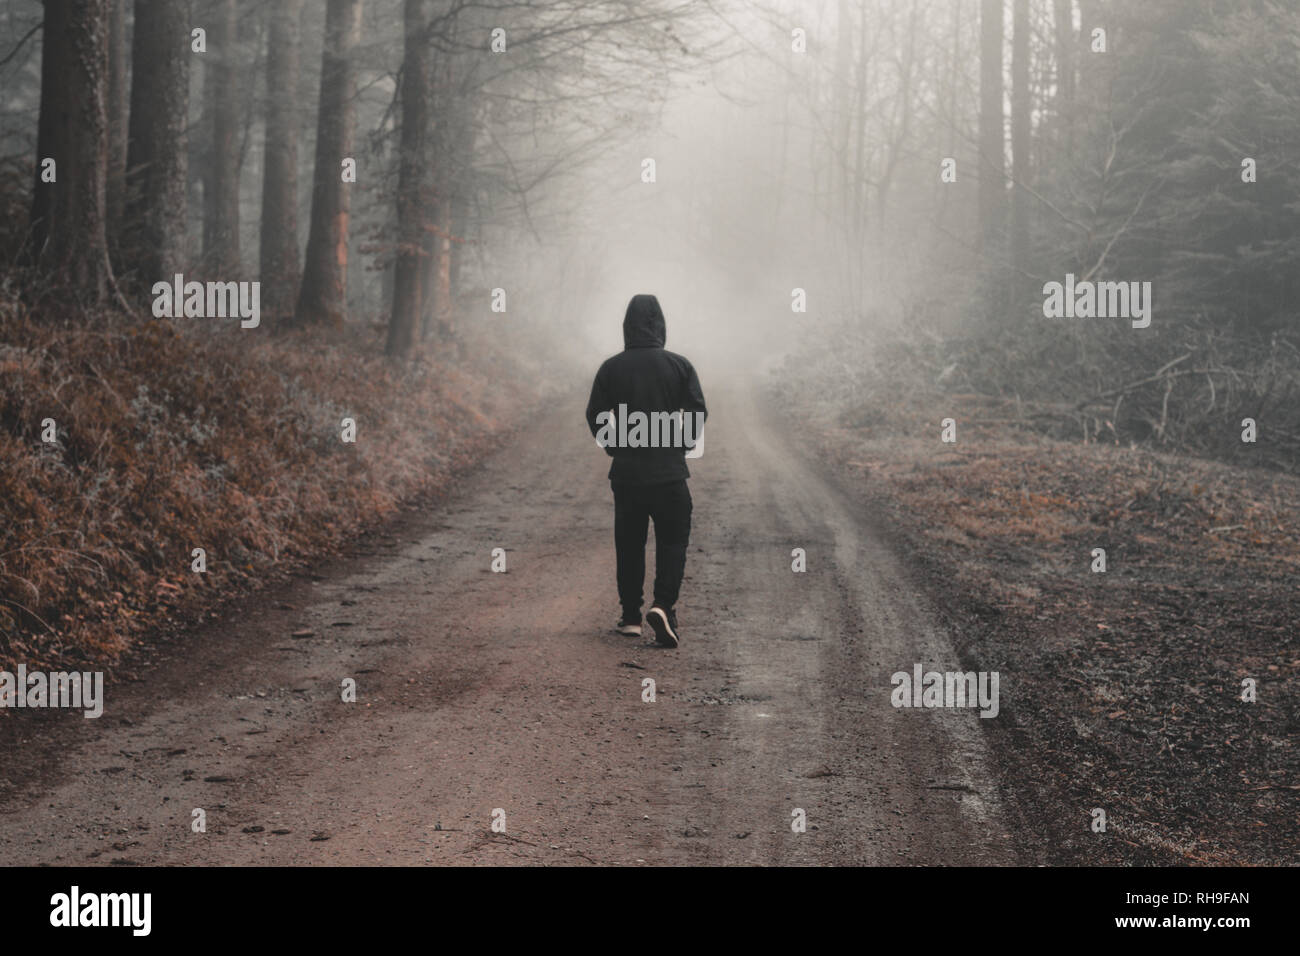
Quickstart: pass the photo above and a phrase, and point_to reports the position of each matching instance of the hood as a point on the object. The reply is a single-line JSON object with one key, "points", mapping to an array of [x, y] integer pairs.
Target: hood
{"points": [[643, 325]]}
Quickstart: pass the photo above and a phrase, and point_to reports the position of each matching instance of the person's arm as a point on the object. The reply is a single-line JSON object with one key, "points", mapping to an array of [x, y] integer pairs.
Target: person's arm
{"points": [[692, 404], [693, 400], [597, 403]]}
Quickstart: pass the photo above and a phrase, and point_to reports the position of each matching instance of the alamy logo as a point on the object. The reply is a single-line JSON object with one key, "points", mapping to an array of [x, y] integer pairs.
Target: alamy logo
{"points": [[624, 429], [212, 300], [946, 689], [59, 689], [1100, 300], [103, 909]]}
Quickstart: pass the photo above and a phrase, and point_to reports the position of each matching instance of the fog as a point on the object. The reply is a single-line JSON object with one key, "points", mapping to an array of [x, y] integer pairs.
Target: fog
{"points": [[736, 217], [817, 164], [765, 182]]}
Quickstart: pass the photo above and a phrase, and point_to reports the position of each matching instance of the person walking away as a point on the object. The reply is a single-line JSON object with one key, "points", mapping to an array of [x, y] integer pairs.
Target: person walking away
{"points": [[647, 474]]}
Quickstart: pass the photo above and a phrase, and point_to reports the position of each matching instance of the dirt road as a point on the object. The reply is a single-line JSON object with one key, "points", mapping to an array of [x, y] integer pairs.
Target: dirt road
{"points": [[479, 691]]}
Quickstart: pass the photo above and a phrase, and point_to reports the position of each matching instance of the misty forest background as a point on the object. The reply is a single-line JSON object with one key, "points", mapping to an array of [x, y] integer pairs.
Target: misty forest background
{"points": [[520, 168]]}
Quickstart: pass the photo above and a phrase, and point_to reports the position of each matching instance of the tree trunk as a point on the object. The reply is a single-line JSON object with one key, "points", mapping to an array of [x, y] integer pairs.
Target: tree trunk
{"points": [[411, 198], [1020, 133], [841, 114], [157, 155], [221, 182], [323, 298], [898, 144], [279, 240], [951, 100], [68, 227], [461, 158], [858, 208], [115, 190], [992, 172], [457, 171], [1063, 15], [453, 136], [428, 269], [442, 310], [459, 231]]}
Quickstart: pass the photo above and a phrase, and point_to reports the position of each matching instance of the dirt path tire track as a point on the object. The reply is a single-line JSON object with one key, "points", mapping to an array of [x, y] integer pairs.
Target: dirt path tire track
{"points": [[479, 690]]}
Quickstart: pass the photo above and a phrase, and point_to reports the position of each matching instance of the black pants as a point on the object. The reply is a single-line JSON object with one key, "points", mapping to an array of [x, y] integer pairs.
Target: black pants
{"points": [[669, 505]]}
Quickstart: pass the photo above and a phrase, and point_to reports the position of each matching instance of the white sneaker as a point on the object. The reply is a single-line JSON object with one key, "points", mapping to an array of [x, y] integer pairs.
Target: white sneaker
{"points": [[665, 626]]}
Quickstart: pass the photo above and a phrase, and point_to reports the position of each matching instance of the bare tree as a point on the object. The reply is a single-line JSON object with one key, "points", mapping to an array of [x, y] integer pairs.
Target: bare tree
{"points": [[278, 251], [1020, 132], [323, 298], [992, 171], [411, 182], [841, 117], [116, 109], [901, 129], [221, 82], [157, 152], [68, 227], [454, 101], [1063, 17]]}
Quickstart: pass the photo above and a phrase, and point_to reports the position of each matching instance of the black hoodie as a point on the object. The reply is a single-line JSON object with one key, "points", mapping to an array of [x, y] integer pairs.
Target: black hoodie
{"points": [[646, 378]]}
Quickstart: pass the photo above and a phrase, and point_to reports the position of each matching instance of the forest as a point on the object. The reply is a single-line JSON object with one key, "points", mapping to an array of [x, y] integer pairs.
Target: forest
{"points": [[437, 202], [993, 305]]}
